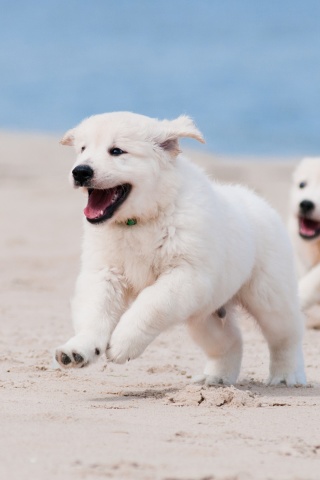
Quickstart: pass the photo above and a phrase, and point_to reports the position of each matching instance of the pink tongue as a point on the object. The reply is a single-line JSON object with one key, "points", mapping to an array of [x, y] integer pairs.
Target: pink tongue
{"points": [[308, 227], [98, 201]]}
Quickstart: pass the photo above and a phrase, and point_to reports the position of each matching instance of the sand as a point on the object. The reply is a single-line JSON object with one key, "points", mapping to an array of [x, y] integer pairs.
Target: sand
{"points": [[143, 420]]}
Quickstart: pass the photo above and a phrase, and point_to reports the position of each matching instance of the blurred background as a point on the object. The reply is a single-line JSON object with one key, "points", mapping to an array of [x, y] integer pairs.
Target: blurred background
{"points": [[247, 71]]}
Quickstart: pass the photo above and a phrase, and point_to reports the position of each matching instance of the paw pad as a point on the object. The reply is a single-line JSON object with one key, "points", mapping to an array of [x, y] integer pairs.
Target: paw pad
{"points": [[65, 359], [77, 358]]}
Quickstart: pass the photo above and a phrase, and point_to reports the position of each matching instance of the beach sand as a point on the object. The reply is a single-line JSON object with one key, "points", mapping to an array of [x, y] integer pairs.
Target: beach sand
{"points": [[142, 420]]}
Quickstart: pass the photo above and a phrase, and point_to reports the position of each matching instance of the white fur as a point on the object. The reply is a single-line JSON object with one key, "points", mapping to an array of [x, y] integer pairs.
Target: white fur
{"points": [[307, 251], [196, 246]]}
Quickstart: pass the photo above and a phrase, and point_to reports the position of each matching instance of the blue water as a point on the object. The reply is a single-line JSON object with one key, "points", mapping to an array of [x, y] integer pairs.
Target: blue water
{"points": [[248, 71]]}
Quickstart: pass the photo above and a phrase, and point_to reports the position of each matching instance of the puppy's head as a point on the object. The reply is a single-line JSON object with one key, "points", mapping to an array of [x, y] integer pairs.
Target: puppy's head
{"points": [[125, 162], [305, 198]]}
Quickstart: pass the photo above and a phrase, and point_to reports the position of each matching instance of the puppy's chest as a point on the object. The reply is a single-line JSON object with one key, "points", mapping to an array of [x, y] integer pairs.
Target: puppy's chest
{"points": [[310, 253], [142, 255], [315, 259]]}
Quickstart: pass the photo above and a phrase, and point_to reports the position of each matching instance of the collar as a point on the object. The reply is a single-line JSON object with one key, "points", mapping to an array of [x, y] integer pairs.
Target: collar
{"points": [[131, 221]]}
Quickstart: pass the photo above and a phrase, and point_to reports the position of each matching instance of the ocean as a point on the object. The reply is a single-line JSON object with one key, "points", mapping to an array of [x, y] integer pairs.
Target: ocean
{"points": [[247, 71]]}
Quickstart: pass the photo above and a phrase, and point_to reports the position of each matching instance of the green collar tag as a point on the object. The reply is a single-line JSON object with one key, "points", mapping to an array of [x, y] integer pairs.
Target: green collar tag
{"points": [[131, 221]]}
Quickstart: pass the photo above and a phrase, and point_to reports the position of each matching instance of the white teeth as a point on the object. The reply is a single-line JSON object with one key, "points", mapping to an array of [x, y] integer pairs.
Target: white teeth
{"points": [[114, 197]]}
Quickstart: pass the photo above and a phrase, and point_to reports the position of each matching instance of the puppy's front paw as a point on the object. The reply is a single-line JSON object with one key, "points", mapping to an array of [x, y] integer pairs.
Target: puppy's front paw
{"points": [[77, 353], [68, 359], [126, 344]]}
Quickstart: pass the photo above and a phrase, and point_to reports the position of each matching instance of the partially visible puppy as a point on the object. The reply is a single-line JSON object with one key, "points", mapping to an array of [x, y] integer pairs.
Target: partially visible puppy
{"points": [[163, 245], [304, 226]]}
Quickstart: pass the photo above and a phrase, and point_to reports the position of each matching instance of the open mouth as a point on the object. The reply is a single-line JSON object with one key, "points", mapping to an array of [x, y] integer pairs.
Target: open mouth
{"points": [[103, 203], [308, 229]]}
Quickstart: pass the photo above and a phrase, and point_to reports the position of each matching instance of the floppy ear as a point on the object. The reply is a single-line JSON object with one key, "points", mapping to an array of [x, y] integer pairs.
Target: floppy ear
{"points": [[68, 138], [181, 127]]}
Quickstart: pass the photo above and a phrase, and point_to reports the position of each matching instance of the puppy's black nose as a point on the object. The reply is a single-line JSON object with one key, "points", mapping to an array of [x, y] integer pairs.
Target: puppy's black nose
{"points": [[306, 206], [81, 174]]}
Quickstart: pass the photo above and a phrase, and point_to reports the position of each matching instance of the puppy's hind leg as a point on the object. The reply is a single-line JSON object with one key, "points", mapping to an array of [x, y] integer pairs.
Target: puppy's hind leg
{"points": [[221, 340], [275, 306]]}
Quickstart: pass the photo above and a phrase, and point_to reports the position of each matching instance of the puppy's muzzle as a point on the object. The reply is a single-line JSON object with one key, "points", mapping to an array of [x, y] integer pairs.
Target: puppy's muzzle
{"points": [[306, 206], [82, 174]]}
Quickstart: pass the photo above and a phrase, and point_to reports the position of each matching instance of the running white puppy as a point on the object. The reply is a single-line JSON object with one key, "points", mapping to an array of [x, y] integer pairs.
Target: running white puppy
{"points": [[163, 245], [304, 226]]}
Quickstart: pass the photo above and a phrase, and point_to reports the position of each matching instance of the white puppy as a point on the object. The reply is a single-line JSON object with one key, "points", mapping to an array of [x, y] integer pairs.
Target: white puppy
{"points": [[163, 245], [304, 226]]}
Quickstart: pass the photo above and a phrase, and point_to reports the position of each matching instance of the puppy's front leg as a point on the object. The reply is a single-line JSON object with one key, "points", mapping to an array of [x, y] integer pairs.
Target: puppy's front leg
{"points": [[173, 298], [96, 307]]}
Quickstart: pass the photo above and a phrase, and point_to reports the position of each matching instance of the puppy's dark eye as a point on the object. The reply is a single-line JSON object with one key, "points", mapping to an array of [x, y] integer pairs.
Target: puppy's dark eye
{"points": [[116, 151], [83, 149], [302, 184]]}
